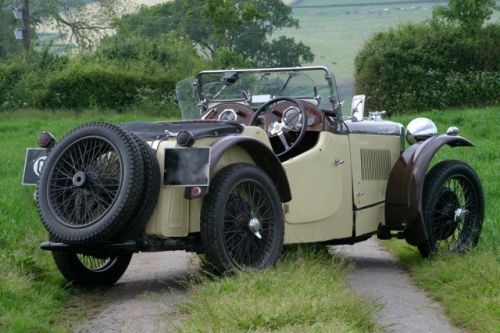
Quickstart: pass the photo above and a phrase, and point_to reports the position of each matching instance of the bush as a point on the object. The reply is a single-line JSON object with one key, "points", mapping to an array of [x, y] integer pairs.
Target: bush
{"points": [[91, 85], [423, 66], [129, 72]]}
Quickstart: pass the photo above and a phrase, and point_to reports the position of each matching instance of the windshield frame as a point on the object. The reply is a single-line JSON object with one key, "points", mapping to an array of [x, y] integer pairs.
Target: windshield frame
{"points": [[333, 98]]}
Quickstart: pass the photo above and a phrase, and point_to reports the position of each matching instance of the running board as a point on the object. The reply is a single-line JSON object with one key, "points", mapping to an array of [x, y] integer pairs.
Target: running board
{"points": [[391, 231], [142, 245]]}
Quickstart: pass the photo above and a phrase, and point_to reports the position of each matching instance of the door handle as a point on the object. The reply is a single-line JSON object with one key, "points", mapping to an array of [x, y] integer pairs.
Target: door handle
{"points": [[338, 161]]}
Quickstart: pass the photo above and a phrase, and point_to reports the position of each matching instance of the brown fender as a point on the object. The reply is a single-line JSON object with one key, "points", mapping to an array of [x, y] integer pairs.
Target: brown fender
{"points": [[261, 154], [403, 200]]}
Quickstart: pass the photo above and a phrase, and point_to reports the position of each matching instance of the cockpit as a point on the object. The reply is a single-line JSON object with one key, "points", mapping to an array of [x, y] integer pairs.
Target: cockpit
{"points": [[293, 105]]}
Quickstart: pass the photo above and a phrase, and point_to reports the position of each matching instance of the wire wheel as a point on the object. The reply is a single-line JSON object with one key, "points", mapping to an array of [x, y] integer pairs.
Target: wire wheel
{"points": [[91, 184], [96, 264], [85, 181], [454, 217], [247, 229], [453, 208], [242, 220]]}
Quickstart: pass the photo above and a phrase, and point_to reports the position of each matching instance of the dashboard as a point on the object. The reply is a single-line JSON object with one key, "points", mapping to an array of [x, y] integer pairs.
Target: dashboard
{"points": [[284, 110]]}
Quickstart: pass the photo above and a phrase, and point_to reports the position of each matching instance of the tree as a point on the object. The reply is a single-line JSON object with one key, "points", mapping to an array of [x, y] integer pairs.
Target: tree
{"points": [[8, 44], [77, 20], [225, 27], [470, 14]]}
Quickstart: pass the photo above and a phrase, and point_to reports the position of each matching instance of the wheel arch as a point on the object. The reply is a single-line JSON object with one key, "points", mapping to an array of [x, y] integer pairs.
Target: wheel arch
{"points": [[404, 193], [262, 156]]}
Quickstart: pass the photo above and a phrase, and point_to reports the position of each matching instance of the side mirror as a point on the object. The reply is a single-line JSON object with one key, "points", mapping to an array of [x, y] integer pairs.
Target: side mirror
{"points": [[358, 108], [230, 77]]}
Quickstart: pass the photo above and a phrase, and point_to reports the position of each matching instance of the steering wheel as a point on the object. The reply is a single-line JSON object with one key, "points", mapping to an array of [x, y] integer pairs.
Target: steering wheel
{"points": [[280, 127]]}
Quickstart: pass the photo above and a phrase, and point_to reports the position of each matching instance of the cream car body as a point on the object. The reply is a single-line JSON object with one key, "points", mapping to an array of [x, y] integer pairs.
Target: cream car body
{"points": [[262, 158]]}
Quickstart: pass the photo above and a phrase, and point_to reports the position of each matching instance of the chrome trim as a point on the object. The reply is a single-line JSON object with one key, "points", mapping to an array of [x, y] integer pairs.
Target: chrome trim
{"points": [[228, 111], [453, 130], [273, 69], [420, 129]]}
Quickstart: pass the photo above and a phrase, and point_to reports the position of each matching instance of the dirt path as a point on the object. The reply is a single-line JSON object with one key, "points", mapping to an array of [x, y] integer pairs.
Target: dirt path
{"points": [[143, 299], [405, 307]]}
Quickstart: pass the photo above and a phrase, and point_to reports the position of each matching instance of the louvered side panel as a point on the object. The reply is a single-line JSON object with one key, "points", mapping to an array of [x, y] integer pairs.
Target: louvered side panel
{"points": [[375, 164]]}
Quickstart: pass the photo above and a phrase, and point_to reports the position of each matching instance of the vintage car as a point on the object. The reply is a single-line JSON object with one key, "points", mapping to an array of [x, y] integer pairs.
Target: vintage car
{"points": [[262, 158]]}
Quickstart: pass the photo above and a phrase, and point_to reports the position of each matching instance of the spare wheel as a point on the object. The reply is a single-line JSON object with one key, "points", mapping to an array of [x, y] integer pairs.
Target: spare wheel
{"points": [[91, 184]]}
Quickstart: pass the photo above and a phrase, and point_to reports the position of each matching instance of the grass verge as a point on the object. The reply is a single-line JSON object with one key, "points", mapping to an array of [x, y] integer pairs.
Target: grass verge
{"points": [[304, 292], [468, 285]]}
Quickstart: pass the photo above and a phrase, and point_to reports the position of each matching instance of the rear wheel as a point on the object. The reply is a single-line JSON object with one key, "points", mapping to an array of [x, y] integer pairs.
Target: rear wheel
{"points": [[453, 208], [91, 270], [242, 220]]}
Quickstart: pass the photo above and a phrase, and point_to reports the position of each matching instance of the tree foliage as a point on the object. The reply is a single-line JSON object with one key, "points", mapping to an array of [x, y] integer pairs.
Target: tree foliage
{"points": [[470, 14], [225, 28], [76, 20], [426, 66]]}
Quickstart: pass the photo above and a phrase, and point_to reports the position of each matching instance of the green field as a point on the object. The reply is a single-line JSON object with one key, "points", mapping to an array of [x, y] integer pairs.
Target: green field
{"points": [[35, 298], [336, 34]]}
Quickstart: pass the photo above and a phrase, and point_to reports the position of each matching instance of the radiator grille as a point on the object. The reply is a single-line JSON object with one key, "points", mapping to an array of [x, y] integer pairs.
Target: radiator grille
{"points": [[375, 164]]}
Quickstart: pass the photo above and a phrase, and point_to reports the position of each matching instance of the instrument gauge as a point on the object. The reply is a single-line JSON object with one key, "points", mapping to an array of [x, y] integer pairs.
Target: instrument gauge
{"points": [[228, 115], [292, 118]]}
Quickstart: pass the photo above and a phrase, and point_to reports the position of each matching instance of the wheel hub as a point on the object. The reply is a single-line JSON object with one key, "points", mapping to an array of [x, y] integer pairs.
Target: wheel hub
{"points": [[80, 179], [449, 205], [460, 214], [254, 226]]}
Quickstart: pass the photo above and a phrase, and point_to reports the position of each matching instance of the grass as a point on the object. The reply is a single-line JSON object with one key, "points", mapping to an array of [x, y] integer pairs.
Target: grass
{"points": [[304, 292], [468, 285]]}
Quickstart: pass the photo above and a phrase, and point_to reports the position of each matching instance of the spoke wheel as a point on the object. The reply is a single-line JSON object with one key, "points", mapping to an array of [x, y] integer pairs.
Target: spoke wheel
{"points": [[453, 208], [242, 223], [247, 229], [85, 181], [91, 270], [91, 185], [96, 264]]}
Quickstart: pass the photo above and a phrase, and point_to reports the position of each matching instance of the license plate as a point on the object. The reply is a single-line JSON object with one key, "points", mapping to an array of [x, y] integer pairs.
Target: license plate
{"points": [[186, 166], [33, 165]]}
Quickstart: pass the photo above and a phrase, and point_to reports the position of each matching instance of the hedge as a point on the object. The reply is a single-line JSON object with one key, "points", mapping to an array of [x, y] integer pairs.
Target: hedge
{"points": [[80, 86], [94, 86], [424, 66]]}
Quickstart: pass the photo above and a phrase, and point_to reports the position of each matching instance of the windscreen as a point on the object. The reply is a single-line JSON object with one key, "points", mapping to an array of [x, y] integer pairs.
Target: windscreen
{"points": [[255, 87]]}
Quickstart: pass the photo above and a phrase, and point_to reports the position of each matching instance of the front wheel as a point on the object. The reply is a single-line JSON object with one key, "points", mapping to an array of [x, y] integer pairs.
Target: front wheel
{"points": [[91, 270], [453, 206], [242, 220]]}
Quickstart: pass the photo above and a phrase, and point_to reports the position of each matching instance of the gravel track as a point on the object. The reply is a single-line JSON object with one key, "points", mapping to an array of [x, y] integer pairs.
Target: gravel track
{"points": [[379, 275], [144, 299]]}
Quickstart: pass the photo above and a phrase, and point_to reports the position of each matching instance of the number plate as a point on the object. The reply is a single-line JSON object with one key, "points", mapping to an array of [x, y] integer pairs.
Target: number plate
{"points": [[187, 166], [33, 165]]}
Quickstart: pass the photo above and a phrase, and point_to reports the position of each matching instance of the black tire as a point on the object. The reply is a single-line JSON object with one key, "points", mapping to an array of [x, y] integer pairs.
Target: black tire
{"points": [[453, 208], [241, 195], [91, 271], [151, 190], [91, 184]]}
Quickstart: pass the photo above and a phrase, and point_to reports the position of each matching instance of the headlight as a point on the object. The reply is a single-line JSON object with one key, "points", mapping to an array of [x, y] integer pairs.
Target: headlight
{"points": [[420, 129]]}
